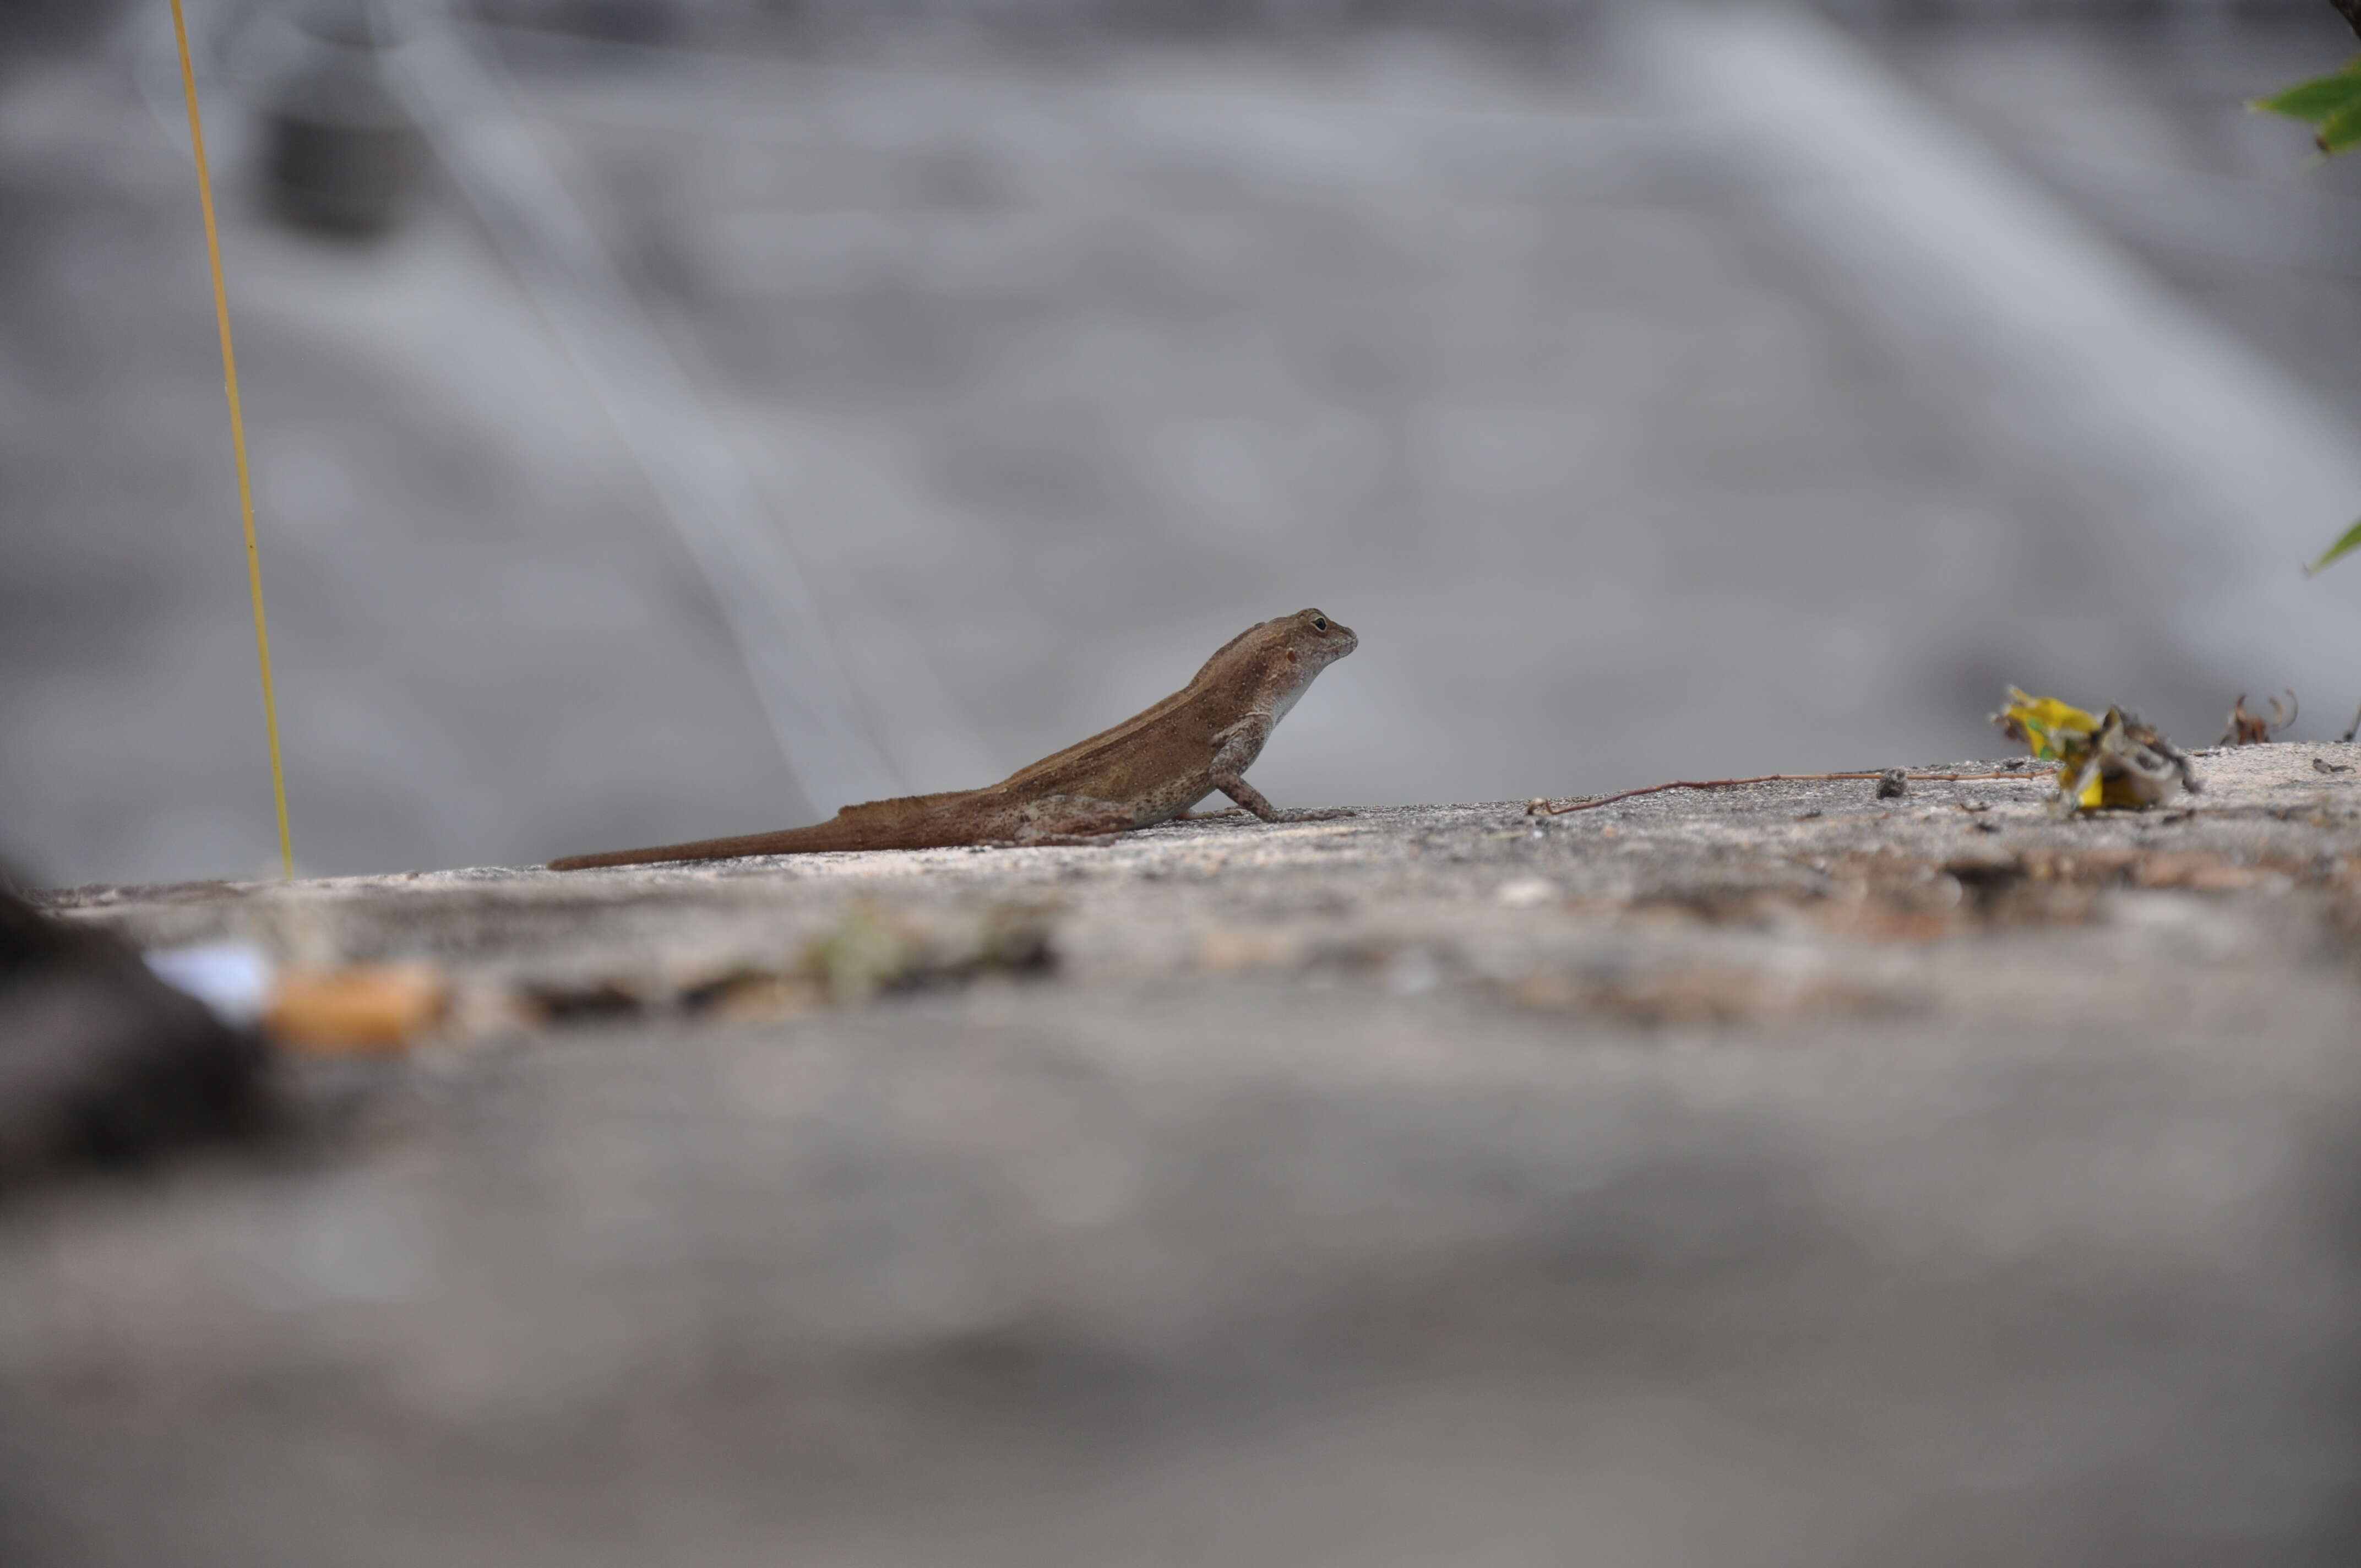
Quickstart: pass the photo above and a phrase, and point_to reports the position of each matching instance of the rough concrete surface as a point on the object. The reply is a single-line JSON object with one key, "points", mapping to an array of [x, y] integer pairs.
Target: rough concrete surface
{"points": [[1776, 1175]]}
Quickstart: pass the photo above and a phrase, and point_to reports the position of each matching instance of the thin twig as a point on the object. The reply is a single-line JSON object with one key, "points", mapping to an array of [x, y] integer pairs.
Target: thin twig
{"points": [[236, 435], [1550, 808]]}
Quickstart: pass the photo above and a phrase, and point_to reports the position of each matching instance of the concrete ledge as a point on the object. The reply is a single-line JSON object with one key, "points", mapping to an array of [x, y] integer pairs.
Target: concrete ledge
{"points": [[1774, 1174], [1818, 880]]}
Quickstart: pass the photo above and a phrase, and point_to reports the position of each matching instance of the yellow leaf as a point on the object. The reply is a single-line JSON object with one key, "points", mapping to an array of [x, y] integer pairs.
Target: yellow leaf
{"points": [[2050, 730]]}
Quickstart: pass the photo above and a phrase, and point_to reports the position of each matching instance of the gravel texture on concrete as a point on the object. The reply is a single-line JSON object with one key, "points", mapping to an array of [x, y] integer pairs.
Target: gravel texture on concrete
{"points": [[1777, 1175]]}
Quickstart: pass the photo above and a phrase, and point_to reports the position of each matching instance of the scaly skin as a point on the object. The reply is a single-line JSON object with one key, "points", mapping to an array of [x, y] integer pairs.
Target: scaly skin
{"points": [[1149, 769]]}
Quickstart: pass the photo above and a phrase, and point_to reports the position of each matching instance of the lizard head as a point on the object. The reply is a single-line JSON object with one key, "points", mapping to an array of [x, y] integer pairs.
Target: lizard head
{"points": [[1278, 658], [1314, 640], [1307, 642]]}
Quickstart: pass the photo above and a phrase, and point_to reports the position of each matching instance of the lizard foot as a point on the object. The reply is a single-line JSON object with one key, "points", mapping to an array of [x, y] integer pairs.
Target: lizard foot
{"points": [[1246, 794]]}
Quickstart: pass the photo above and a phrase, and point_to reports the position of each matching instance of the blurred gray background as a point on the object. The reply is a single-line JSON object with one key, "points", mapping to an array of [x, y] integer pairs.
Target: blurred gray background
{"points": [[672, 419]]}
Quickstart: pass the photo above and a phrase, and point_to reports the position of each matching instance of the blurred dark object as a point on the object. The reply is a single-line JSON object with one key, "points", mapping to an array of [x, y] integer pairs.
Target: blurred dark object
{"points": [[102, 1063], [344, 153], [43, 23], [625, 21], [2351, 11]]}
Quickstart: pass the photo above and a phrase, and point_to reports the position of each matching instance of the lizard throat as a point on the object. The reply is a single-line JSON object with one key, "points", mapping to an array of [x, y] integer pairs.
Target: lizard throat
{"points": [[1292, 695]]}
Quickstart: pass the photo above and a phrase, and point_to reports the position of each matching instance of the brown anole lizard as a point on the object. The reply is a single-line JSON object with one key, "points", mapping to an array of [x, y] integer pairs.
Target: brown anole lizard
{"points": [[1149, 769]]}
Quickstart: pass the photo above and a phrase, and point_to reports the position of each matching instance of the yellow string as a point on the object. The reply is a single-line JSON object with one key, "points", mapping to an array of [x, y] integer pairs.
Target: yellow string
{"points": [[237, 439]]}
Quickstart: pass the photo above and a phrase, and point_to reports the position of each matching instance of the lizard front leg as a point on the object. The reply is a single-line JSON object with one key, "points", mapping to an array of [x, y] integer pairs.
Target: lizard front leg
{"points": [[1237, 754], [1252, 799]]}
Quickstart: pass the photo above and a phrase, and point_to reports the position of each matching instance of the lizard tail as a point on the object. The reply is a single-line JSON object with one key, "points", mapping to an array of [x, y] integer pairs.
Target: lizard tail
{"points": [[916, 822], [821, 835]]}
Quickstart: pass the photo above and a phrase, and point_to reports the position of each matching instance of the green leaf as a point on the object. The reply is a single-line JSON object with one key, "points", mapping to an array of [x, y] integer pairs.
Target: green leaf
{"points": [[2317, 99], [2340, 130], [2345, 546]]}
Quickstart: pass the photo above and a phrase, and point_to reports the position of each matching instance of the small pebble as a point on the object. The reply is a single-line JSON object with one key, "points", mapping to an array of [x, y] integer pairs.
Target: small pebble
{"points": [[1527, 893], [364, 1010]]}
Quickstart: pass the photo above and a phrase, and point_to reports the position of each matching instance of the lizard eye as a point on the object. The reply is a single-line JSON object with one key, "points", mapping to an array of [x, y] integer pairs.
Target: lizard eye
{"points": [[1318, 623]]}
